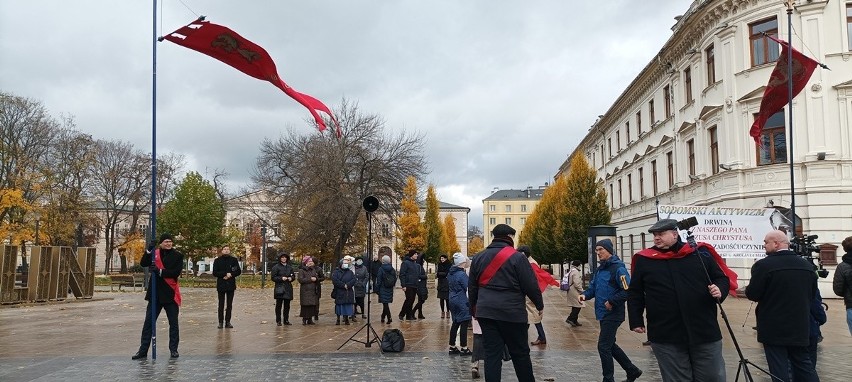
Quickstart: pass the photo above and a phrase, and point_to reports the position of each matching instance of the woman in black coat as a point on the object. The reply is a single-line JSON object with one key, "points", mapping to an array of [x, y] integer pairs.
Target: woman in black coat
{"points": [[362, 275], [422, 290], [226, 268], [443, 286], [343, 281], [283, 276], [385, 288]]}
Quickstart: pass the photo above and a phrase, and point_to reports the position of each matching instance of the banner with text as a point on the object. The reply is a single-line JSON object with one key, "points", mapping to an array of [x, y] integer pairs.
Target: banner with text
{"points": [[736, 233]]}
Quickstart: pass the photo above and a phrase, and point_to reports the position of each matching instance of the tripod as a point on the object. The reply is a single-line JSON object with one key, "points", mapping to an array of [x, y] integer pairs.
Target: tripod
{"points": [[744, 362], [370, 204]]}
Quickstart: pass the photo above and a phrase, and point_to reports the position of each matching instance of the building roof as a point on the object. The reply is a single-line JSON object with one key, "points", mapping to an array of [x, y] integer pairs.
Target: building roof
{"points": [[444, 206], [529, 193]]}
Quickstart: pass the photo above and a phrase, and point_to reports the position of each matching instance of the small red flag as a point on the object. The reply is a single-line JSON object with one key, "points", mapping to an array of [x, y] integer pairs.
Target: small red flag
{"points": [[229, 47], [775, 95]]}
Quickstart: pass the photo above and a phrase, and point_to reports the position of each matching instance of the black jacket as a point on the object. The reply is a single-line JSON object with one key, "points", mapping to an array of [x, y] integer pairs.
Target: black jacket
{"points": [[674, 294], [172, 268], [784, 286], [222, 266], [842, 283], [441, 279], [409, 273], [504, 298], [279, 272]]}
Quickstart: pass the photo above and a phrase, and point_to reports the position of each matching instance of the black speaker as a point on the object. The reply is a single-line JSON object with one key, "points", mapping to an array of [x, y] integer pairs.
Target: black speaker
{"points": [[371, 203]]}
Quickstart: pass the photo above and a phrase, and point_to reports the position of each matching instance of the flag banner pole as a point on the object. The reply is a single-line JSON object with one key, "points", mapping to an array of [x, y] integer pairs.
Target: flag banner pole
{"points": [[153, 220], [790, 112]]}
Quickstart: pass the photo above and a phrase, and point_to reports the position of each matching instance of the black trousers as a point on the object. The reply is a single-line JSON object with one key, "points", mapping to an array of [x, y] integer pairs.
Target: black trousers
{"points": [[410, 295], [386, 310], [419, 306], [174, 330], [282, 307], [513, 335], [575, 313], [226, 305], [460, 327], [359, 303]]}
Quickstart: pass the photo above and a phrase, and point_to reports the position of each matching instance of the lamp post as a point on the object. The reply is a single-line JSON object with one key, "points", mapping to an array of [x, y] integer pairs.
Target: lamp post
{"points": [[263, 255], [38, 221]]}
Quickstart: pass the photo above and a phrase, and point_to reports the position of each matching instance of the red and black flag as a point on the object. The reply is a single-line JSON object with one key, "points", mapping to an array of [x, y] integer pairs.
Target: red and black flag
{"points": [[229, 47]]}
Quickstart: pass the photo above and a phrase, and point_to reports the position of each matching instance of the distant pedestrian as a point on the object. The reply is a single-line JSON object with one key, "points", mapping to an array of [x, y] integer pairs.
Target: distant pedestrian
{"points": [[166, 264], [818, 318], [443, 269], [459, 305], [501, 279], [283, 276], [226, 268], [362, 277], [572, 283], [409, 279], [609, 289], [318, 285], [308, 297], [343, 282], [385, 284], [422, 289], [842, 283]]}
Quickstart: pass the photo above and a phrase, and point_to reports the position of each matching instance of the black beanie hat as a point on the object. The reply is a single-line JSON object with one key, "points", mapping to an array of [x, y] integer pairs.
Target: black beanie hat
{"points": [[525, 249], [607, 245], [502, 230], [166, 236]]}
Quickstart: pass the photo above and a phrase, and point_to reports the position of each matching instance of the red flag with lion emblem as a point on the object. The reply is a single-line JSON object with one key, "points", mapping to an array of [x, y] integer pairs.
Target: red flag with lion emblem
{"points": [[775, 95], [229, 47]]}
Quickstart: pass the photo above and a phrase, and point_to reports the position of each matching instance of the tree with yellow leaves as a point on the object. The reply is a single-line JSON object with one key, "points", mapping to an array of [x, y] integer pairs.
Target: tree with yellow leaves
{"points": [[451, 245], [475, 245], [410, 231]]}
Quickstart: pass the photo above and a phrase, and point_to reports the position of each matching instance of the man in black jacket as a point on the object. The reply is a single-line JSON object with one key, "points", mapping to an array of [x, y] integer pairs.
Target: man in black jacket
{"points": [[501, 279], [409, 278], [166, 264], [670, 281], [784, 286], [842, 283], [226, 268]]}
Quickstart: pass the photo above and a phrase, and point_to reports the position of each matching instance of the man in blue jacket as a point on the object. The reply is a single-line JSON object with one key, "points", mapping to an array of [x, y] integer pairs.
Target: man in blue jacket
{"points": [[609, 289]]}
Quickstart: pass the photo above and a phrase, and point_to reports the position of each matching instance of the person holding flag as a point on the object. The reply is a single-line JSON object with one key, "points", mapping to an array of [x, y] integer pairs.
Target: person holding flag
{"points": [[165, 264], [544, 279]]}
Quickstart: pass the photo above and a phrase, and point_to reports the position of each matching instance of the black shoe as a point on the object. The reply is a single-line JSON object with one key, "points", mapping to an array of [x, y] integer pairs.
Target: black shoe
{"points": [[139, 355], [174, 354], [389, 321], [401, 317], [287, 323], [646, 343], [229, 326], [465, 351], [410, 319], [634, 374], [454, 350], [421, 317], [338, 321], [364, 316], [383, 319], [345, 320], [279, 323], [220, 326]]}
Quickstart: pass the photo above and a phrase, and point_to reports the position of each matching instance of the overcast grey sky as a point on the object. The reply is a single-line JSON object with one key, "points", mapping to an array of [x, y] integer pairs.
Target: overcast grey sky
{"points": [[503, 90]]}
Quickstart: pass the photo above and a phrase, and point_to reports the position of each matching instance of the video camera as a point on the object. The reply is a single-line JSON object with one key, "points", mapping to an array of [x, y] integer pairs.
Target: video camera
{"points": [[805, 246], [686, 224]]}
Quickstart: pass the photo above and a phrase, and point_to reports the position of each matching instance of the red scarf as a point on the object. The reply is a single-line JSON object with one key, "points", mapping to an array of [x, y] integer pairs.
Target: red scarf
{"points": [[686, 250], [172, 282]]}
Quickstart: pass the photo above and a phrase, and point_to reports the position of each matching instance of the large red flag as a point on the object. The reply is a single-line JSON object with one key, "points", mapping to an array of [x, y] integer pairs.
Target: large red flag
{"points": [[229, 47], [775, 95]]}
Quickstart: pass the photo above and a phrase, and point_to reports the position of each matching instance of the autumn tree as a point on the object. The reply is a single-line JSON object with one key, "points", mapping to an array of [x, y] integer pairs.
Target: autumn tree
{"points": [[410, 234], [586, 198], [539, 232], [432, 226], [195, 216], [325, 179], [451, 244], [475, 245]]}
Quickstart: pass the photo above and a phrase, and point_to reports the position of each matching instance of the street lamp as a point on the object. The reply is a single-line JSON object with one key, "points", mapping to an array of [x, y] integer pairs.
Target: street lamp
{"points": [[263, 255], [37, 222]]}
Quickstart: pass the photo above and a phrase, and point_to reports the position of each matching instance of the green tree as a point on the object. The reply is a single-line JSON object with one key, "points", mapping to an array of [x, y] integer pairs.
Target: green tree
{"points": [[410, 231], [586, 197], [195, 216], [433, 227], [539, 232], [451, 245]]}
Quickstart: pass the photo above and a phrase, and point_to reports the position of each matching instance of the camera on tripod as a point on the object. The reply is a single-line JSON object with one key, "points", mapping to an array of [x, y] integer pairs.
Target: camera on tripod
{"points": [[686, 224], [805, 246]]}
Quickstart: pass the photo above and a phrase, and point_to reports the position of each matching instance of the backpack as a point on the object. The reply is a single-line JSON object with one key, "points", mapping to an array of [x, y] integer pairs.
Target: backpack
{"points": [[392, 341], [389, 279]]}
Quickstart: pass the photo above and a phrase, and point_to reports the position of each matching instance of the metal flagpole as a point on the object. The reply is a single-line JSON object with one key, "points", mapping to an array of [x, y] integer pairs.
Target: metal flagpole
{"points": [[153, 220], [790, 110]]}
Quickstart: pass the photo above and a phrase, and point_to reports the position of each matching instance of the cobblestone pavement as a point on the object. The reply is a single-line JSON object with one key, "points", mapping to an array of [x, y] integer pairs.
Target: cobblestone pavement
{"points": [[93, 340]]}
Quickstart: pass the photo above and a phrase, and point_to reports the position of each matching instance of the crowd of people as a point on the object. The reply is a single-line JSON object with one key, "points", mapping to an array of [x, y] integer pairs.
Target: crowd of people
{"points": [[679, 286]]}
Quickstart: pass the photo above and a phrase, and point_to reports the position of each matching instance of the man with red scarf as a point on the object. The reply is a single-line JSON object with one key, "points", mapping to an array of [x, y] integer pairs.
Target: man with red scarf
{"points": [[166, 264], [670, 282]]}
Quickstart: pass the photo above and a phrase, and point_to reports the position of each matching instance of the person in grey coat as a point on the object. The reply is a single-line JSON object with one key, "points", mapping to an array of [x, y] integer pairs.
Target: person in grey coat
{"points": [[362, 275]]}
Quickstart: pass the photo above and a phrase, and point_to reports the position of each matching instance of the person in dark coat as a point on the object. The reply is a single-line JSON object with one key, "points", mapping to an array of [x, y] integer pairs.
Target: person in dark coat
{"points": [[320, 278], [166, 265], [343, 282], [422, 289], [409, 279], [458, 305], [670, 281], [609, 290], [818, 318], [375, 264], [283, 276], [226, 268], [441, 280], [308, 277], [362, 275], [497, 300], [842, 281], [384, 290], [784, 286]]}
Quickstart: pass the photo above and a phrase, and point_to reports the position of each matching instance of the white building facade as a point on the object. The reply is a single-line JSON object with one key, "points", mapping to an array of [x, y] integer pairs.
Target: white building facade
{"points": [[678, 134]]}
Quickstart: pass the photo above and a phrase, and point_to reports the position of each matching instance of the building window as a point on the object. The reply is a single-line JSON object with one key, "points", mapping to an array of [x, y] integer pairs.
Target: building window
{"points": [[627, 132], [620, 194], [651, 119], [667, 98], [690, 153], [643, 239], [654, 176], [773, 141], [492, 208], [609, 146], [611, 197], [714, 149], [849, 25], [509, 221], [670, 167], [523, 208], [638, 123], [492, 221], [618, 141], [523, 221], [603, 160], [710, 62], [630, 187], [763, 50], [687, 84], [641, 183], [386, 230], [508, 208], [631, 244]]}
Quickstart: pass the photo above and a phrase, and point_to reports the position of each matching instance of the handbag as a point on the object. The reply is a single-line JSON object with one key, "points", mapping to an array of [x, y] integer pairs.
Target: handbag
{"points": [[279, 289], [565, 286]]}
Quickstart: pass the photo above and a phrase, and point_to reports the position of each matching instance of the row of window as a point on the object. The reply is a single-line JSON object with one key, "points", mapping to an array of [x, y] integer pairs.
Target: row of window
{"points": [[508, 208], [493, 221]]}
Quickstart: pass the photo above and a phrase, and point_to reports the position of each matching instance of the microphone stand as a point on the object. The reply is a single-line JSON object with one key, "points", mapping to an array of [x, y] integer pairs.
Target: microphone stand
{"points": [[367, 325], [744, 362]]}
